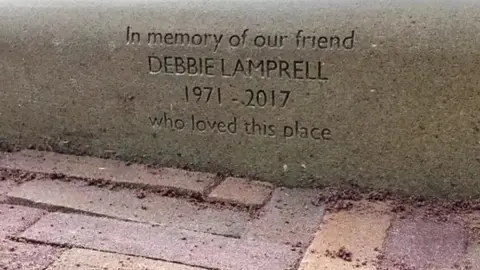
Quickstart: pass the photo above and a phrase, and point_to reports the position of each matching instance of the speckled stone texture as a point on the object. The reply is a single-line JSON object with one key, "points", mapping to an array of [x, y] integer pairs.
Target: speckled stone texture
{"points": [[425, 244], [388, 98], [168, 244]]}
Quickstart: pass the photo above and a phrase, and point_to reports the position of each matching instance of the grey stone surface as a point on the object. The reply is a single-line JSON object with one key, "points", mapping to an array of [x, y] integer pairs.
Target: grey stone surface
{"points": [[424, 244], [125, 204], [14, 219], [289, 217], [163, 243], [400, 108], [107, 169], [23, 256]]}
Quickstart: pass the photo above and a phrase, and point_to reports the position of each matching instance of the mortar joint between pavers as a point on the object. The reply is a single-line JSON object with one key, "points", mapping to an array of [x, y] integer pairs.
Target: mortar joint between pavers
{"points": [[20, 239], [60, 209], [27, 225], [218, 180]]}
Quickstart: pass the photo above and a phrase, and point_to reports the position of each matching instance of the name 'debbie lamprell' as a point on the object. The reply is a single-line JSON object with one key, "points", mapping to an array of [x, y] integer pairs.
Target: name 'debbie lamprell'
{"points": [[262, 68]]}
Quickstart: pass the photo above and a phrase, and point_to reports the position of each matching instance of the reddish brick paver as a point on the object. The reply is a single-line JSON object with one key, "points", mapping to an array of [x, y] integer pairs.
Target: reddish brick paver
{"points": [[169, 244], [241, 191], [421, 244], [107, 169]]}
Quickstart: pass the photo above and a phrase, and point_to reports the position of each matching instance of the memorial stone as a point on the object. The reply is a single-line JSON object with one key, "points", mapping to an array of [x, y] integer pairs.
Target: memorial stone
{"points": [[381, 94]]}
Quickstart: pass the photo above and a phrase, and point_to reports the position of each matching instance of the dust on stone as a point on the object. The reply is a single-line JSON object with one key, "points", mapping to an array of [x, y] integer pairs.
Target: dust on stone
{"points": [[335, 200], [341, 253]]}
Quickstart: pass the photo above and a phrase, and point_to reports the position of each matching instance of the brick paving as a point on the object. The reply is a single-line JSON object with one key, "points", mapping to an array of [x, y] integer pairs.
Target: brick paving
{"points": [[96, 260], [52, 224], [164, 243], [14, 255], [472, 258], [241, 191], [126, 204], [5, 187], [358, 237], [109, 170], [431, 245], [289, 217], [14, 219], [20, 256]]}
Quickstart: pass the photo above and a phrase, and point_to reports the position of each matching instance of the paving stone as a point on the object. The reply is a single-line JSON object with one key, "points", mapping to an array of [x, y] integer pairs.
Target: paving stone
{"points": [[421, 244], [289, 217], [6, 184], [5, 187], [95, 260], [241, 191], [358, 232], [23, 256], [471, 259], [125, 204], [164, 243], [14, 219], [107, 169]]}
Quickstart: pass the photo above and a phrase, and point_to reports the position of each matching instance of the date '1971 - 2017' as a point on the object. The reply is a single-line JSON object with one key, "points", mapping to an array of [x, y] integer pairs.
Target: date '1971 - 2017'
{"points": [[254, 98]]}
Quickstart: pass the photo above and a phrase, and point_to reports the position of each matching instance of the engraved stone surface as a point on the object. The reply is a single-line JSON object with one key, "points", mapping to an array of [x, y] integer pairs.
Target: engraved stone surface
{"points": [[379, 93]]}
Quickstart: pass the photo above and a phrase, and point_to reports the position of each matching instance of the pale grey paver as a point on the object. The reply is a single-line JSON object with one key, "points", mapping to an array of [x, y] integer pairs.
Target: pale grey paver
{"points": [[169, 244], [85, 259], [124, 204], [14, 219], [472, 258], [289, 217], [107, 169], [241, 191], [23, 256], [423, 244]]}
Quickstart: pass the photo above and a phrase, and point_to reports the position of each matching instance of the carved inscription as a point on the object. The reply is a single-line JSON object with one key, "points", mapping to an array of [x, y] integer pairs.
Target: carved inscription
{"points": [[248, 95], [235, 125]]}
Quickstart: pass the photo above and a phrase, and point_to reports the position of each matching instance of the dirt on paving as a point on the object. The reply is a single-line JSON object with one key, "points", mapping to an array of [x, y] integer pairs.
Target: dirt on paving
{"points": [[440, 209], [402, 207], [333, 199]]}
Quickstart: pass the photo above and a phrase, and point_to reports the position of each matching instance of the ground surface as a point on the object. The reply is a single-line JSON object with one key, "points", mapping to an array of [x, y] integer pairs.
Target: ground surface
{"points": [[66, 212]]}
